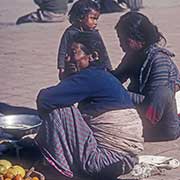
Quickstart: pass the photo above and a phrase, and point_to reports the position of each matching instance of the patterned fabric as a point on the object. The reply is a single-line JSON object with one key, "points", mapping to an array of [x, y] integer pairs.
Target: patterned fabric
{"points": [[119, 130], [158, 69], [159, 115], [56, 6], [41, 16], [68, 143], [48, 16], [134, 4], [136, 98], [153, 91]]}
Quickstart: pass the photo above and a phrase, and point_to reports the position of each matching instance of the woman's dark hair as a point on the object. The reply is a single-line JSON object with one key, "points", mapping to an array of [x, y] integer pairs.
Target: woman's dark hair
{"points": [[138, 27], [91, 40], [81, 8], [91, 43]]}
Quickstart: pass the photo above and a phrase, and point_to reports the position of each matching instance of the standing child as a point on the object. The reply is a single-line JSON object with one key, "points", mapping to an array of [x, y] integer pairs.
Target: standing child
{"points": [[152, 73], [83, 16]]}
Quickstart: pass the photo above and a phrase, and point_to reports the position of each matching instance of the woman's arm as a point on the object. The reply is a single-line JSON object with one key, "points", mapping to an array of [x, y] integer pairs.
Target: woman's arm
{"points": [[157, 92], [123, 70], [160, 72], [136, 98], [70, 91]]}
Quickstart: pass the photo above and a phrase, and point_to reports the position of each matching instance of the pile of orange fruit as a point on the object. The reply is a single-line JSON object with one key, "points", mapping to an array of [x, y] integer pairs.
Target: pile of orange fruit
{"points": [[13, 172]]}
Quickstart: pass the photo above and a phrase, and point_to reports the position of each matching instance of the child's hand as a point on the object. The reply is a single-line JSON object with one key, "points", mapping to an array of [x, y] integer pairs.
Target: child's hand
{"points": [[61, 73]]}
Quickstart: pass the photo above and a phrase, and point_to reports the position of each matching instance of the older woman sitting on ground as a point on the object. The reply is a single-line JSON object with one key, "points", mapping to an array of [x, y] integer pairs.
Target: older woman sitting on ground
{"points": [[102, 137]]}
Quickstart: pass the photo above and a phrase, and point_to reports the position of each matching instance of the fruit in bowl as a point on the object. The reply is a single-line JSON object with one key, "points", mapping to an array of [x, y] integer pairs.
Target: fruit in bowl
{"points": [[7, 164], [17, 172], [4, 166]]}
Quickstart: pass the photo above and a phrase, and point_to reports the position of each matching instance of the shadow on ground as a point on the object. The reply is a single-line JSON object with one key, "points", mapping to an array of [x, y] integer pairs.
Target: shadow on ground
{"points": [[7, 109]]}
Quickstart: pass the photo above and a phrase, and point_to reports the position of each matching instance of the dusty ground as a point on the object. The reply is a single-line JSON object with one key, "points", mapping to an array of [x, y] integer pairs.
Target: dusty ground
{"points": [[28, 56]]}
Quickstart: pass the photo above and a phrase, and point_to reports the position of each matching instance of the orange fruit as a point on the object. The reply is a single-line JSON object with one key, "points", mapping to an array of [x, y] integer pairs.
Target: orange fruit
{"points": [[18, 177], [9, 175], [35, 178]]}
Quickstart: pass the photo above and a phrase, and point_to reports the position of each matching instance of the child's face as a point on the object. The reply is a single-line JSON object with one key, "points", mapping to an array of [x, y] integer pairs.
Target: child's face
{"points": [[90, 21], [81, 58]]}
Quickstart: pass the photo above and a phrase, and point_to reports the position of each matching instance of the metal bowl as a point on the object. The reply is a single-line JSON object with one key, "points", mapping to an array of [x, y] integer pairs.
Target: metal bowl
{"points": [[18, 126]]}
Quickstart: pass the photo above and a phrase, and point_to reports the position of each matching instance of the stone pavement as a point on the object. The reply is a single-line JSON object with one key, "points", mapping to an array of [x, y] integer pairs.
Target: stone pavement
{"points": [[28, 57]]}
